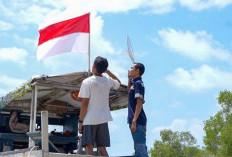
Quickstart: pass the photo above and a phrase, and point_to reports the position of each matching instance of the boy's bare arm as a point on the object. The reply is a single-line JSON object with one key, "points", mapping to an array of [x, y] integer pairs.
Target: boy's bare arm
{"points": [[84, 107], [110, 74]]}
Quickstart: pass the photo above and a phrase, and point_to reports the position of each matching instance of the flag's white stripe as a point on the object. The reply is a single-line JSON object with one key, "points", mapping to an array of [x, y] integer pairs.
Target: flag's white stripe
{"points": [[76, 42]]}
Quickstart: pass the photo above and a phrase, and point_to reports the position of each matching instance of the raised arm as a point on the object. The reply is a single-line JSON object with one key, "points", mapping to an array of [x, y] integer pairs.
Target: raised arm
{"points": [[110, 74]]}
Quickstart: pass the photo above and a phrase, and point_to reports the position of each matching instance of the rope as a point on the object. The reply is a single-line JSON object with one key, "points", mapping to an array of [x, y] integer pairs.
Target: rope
{"points": [[31, 150]]}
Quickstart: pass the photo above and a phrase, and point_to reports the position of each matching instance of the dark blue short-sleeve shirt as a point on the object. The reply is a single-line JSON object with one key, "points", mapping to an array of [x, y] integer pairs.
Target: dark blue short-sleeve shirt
{"points": [[137, 90]]}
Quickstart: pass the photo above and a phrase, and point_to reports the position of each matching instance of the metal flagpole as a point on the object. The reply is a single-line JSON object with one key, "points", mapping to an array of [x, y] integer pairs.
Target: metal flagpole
{"points": [[89, 72]]}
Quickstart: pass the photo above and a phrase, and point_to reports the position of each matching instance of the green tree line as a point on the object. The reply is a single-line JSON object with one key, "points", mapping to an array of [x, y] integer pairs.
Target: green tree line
{"points": [[217, 139]]}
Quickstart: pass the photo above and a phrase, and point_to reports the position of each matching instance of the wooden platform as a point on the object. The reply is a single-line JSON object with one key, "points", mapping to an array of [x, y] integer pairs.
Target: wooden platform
{"points": [[37, 153], [40, 153]]}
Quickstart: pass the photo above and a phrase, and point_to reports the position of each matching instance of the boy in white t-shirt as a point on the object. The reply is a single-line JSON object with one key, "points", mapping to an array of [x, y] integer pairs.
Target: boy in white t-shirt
{"points": [[95, 110]]}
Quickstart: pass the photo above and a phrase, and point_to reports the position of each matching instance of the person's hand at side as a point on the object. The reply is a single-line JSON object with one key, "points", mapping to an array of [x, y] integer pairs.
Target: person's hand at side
{"points": [[133, 126], [80, 128]]}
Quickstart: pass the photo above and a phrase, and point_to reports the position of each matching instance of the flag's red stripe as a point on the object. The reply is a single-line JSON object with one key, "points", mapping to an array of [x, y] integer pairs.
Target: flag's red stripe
{"points": [[78, 24]]}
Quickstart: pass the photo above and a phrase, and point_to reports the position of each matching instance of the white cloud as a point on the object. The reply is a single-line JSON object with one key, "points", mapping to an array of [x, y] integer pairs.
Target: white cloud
{"points": [[27, 12], [113, 6], [140, 54], [117, 66], [177, 125], [175, 104], [33, 14], [8, 83], [119, 113], [195, 126], [67, 62], [13, 54], [198, 5], [7, 11], [26, 41], [152, 6], [59, 4], [202, 78], [161, 6], [199, 46], [99, 43], [5, 26]]}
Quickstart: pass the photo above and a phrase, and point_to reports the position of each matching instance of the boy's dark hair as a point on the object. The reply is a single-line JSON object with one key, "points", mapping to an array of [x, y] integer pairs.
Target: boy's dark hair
{"points": [[141, 68], [101, 64]]}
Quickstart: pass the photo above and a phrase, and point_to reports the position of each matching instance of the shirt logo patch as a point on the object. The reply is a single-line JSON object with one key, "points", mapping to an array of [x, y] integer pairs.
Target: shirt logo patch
{"points": [[132, 88]]}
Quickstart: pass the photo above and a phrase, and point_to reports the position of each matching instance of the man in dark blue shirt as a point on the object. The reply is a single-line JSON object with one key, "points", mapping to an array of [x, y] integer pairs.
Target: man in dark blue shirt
{"points": [[136, 116]]}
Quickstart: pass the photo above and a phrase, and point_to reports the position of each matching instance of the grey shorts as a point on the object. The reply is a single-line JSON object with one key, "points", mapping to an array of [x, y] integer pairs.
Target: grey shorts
{"points": [[97, 135]]}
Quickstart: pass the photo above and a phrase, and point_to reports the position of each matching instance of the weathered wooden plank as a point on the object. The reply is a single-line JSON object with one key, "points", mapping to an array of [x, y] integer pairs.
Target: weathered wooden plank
{"points": [[44, 121], [33, 114], [65, 86], [46, 97], [55, 97], [22, 153]]}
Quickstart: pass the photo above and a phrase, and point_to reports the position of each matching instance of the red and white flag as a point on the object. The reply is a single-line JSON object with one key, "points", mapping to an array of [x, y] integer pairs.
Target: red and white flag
{"points": [[66, 36]]}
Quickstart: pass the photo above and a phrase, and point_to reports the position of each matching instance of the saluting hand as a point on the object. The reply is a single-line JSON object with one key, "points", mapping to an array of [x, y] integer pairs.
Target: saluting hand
{"points": [[129, 77]]}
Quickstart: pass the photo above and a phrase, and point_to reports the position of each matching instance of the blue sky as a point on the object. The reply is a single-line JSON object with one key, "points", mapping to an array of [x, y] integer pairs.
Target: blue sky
{"points": [[186, 47]]}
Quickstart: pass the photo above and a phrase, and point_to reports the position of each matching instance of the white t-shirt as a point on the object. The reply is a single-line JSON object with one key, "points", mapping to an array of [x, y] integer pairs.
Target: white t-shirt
{"points": [[97, 89]]}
